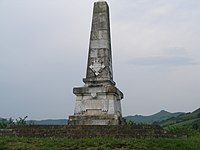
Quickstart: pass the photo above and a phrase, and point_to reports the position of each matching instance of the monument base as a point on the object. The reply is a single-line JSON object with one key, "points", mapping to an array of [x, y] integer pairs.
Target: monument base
{"points": [[97, 105], [95, 120]]}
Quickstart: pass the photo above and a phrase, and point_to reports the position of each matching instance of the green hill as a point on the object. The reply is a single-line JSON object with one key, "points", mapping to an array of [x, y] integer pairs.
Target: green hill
{"points": [[187, 119], [160, 116]]}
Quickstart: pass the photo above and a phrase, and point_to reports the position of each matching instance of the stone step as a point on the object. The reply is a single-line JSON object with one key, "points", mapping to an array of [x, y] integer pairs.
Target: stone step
{"points": [[135, 131]]}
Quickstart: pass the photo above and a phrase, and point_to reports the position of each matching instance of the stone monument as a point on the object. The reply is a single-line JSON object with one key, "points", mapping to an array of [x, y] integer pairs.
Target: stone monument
{"points": [[98, 102]]}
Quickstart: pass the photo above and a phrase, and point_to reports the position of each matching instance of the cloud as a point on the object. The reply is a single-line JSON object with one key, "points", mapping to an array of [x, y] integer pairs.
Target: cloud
{"points": [[171, 57], [44, 46], [162, 61]]}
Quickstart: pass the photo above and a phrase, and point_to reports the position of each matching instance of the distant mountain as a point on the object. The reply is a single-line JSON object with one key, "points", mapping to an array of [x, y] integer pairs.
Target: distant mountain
{"points": [[160, 116], [187, 119], [2, 119], [49, 122], [197, 111]]}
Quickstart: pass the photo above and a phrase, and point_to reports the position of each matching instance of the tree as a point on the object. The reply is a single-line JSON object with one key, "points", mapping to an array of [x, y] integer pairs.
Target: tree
{"points": [[130, 122], [195, 126], [198, 115], [21, 121]]}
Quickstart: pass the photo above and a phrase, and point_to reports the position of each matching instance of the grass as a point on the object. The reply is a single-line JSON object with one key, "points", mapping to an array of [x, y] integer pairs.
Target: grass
{"points": [[22, 143], [180, 124]]}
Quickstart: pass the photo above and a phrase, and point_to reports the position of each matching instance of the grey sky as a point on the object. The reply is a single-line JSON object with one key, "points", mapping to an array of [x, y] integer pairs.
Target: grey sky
{"points": [[44, 45]]}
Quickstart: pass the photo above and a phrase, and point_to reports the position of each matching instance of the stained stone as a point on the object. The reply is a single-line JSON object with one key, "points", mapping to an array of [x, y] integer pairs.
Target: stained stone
{"points": [[98, 102]]}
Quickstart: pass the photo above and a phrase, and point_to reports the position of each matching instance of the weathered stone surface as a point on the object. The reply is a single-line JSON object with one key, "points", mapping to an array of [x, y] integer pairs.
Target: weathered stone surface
{"points": [[99, 56], [98, 102], [85, 131]]}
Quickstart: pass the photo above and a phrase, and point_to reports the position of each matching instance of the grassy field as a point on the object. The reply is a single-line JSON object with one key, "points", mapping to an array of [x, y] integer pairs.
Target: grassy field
{"points": [[16, 143]]}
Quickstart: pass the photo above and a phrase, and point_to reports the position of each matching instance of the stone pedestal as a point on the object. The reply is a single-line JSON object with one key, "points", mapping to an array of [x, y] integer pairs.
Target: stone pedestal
{"points": [[97, 106], [98, 102]]}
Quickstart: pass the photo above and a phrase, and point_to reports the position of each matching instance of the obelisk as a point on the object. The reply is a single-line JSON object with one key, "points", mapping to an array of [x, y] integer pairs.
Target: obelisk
{"points": [[98, 102]]}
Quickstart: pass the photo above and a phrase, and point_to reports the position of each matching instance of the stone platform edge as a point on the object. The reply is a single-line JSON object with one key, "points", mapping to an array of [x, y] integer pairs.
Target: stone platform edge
{"points": [[86, 131]]}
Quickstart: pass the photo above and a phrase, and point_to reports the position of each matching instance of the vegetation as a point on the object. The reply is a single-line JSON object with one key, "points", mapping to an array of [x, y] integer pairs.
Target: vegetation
{"points": [[185, 127], [4, 123], [186, 139], [16, 143]]}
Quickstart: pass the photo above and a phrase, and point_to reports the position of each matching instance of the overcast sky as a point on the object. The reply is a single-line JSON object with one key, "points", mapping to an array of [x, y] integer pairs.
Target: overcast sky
{"points": [[44, 46]]}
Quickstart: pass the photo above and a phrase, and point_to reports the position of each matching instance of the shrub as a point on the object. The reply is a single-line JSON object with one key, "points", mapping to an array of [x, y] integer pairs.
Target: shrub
{"points": [[182, 131], [198, 115], [10, 122], [130, 122]]}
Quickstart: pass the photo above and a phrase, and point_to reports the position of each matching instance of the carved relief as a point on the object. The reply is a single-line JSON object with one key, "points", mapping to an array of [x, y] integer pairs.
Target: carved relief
{"points": [[97, 67]]}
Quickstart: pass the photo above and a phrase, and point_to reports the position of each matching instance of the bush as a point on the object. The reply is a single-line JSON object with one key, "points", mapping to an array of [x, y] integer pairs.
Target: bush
{"points": [[196, 125], [10, 122], [130, 122], [182, 131], [21, 121], [198, 115]]}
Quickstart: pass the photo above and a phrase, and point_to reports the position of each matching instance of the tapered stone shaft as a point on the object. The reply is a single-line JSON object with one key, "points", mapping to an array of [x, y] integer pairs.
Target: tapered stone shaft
{"points": [[99, 68]]}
